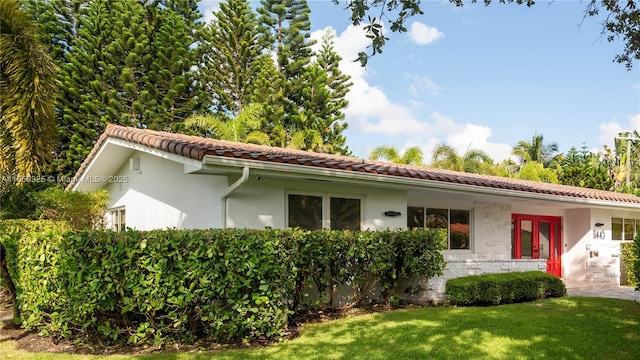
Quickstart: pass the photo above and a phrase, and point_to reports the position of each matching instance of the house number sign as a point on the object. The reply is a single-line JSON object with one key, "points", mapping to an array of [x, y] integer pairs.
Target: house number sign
{"points": [[598, 234]]}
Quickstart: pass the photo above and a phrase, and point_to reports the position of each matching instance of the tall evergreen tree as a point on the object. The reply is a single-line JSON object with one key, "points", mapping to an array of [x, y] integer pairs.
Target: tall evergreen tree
{"points": [[83, 87], [231, 56], [58, 22], [284, 31], [128, 62], [331, 117], [174, 87], [268, 91]]}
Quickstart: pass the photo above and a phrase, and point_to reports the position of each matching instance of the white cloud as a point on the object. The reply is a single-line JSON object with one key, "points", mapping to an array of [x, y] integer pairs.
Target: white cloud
{"points": [[634, 121], [609, 130], [475, 137], [209, 7], [421, 85], [374, 119], [370, 111], [423, 34]]}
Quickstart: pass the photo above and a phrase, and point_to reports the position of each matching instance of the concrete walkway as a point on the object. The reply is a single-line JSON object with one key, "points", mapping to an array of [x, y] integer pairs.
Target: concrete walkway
{"points": [[620, 292]]}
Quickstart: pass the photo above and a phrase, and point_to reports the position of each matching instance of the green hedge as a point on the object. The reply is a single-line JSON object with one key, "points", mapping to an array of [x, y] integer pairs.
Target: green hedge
{"points": [[179, 285], [503, 288], [629, 258], [635, 264]]}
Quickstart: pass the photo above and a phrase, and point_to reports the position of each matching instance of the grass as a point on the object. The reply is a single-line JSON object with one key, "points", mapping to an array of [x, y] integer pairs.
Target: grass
{"points": [[562, 328]]}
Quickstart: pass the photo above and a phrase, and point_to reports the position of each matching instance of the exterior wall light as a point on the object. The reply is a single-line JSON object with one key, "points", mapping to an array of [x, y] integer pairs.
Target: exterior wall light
{"points": [[392, 213]]}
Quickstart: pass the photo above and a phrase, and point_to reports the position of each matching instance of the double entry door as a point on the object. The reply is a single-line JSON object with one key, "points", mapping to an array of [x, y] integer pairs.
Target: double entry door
{"points": [[538, 237]]}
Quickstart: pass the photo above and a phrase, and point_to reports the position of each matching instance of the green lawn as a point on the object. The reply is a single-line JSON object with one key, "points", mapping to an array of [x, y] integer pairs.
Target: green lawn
{"points": [[564, 328]]}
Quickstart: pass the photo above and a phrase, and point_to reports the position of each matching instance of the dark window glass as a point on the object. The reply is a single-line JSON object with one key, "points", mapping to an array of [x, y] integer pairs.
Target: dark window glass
{"points": [[345, 214], [526, 239], [415, 217], [629, 229], [459, 235], [616, 229], [305, 212], [437, 218], [438, 221]]}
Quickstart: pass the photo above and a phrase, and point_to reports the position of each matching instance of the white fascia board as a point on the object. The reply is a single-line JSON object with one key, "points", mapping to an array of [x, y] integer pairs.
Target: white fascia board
{"points": [[361, 178], [191, 164]]}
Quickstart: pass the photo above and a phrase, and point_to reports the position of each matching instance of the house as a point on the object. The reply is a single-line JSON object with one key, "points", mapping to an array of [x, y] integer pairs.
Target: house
{"points": [[493, 224]]}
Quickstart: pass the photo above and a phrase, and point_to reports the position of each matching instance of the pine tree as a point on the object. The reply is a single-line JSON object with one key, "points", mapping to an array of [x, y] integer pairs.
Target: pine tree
{"points": [[128, 99], [284, 31], [330, 115], [267, 91], [58, 23], [172, 82], [82, 117], [231, 60]]}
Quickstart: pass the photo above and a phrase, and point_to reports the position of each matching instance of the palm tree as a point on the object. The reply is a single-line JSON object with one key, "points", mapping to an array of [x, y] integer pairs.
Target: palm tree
{"points": [[538, 151], [472, 161], [411, 156], [243, 128], [28, 130], [536, 172], [307, 139]]}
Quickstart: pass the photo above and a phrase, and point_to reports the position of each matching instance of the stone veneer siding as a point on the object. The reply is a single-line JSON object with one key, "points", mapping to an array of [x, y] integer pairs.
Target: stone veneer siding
{"points": [[603, 264]]}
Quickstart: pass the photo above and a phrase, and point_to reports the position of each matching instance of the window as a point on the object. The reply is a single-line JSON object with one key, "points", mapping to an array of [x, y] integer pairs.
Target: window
{"points": [[453, 224], [624, 229], [310, 212], [345, 214], [118, 219]]}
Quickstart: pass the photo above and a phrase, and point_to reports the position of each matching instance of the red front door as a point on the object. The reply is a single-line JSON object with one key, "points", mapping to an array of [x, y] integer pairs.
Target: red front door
{"points": [[538, 237]]}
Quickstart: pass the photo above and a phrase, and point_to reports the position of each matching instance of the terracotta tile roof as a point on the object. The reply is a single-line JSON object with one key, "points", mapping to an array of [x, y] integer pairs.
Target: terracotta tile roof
{"points": [[196, 148]]}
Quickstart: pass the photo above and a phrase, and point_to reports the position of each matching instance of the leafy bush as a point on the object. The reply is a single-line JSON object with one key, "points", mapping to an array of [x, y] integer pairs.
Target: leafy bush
{"points": [[31, 262], [81, 210], [629, 258], [635, 265], [224, 285], [503, 288], [20, 201]]}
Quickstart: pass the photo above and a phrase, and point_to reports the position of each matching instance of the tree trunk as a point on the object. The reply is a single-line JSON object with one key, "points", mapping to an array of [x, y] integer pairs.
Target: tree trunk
{"points": [[4, 271]]}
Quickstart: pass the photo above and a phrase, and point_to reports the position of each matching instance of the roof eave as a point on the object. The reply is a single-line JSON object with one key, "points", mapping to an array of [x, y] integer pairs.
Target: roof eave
{"points": [[308, 172]]}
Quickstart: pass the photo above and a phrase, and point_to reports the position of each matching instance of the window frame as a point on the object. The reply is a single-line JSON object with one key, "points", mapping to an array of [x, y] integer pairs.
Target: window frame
{"points": [[635, 223], [326, 205], [448, 209], [117, 225]]}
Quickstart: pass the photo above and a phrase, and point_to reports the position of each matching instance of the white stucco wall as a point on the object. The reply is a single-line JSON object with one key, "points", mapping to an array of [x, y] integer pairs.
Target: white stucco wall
{"points": [[262, 202], [577, 228], [160, 195]]}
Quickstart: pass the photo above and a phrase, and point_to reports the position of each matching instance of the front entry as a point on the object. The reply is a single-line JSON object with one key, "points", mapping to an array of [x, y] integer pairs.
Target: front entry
{"points": [[537, 237]]}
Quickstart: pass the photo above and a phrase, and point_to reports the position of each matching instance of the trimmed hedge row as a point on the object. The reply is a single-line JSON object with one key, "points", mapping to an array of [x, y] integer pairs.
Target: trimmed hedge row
{"points": [[178, 285], [630, 255], [494, 289]]}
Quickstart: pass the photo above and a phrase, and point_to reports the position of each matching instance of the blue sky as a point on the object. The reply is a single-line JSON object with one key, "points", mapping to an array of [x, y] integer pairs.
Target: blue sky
{"points": [[484, 78]]}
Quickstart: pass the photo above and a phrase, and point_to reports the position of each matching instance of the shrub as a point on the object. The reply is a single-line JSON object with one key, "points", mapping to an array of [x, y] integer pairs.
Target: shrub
{"points": [[503, 288], [224, 285], [629, 258], [20, 201], [31, 250], [81, 210], [635, 265]]}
